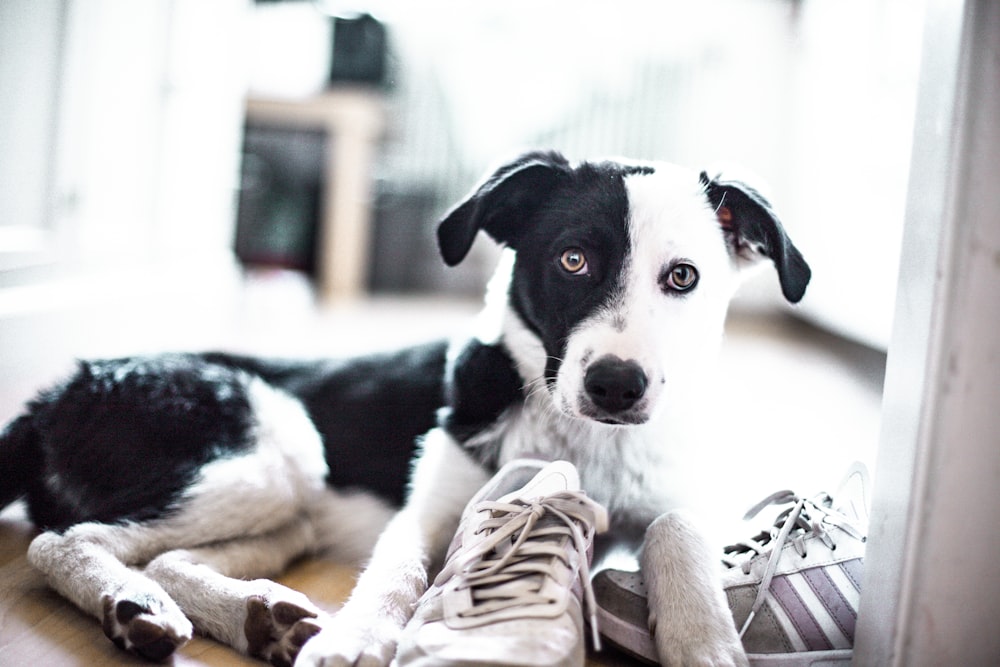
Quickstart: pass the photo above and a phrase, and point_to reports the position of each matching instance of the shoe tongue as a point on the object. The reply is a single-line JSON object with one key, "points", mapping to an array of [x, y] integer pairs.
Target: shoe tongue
{"points": [[853, 498], [553, 478]]}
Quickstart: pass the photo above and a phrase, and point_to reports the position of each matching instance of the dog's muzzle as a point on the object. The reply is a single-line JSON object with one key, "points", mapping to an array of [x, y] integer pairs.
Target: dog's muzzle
{"points": [[615, 388]]}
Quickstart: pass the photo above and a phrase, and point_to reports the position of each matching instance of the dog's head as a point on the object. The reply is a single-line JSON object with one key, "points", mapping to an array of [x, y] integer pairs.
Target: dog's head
{"points": [[622, 273]]}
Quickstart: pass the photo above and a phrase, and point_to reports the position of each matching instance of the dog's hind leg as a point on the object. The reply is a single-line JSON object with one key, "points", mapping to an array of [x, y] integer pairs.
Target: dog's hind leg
{"points": [[219, 588], [89, 565], [147, 611]]}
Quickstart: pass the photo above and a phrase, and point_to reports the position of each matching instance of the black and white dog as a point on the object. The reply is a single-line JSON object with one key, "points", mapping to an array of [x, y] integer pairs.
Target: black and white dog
{"points": [[167, 486]]}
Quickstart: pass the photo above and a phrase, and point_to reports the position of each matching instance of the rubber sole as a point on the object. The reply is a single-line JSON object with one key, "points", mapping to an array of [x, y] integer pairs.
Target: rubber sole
{"points": [[637, 643]]}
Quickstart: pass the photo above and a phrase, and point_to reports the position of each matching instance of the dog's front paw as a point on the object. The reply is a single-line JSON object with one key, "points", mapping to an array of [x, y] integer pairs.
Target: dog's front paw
{"points": [[689, 616], [142, 624], [277, 631], [360, 640], [718, 648]]}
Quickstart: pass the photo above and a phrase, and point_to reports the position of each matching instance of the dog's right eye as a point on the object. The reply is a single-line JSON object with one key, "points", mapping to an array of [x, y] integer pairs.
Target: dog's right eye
{"points": [[680, 278], [574, 261]]}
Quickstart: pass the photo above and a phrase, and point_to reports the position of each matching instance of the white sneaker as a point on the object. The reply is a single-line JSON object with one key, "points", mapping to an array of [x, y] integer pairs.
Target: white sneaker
{"points": [[510, 591]]}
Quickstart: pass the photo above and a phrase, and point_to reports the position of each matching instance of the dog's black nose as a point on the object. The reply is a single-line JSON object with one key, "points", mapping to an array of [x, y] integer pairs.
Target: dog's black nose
{"points": [[614, 385]]}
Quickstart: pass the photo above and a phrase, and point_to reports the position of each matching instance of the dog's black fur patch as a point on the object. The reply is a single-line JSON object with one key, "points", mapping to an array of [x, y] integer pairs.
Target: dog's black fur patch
{"points": [[482, 384], [754, 223], [368, 410], [123, 438], [540, 206]]}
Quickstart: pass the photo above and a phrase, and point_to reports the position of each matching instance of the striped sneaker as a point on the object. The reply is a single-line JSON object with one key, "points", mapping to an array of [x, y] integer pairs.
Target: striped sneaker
{"points": [[793, 589]]}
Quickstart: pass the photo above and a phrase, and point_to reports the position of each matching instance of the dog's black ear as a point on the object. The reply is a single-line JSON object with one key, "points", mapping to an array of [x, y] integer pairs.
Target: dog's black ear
{"points": [[501, 203], [752, 229]]}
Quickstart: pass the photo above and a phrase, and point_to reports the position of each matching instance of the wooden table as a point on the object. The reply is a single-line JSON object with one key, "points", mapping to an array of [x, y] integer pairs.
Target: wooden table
{"points": [[353, 119]]}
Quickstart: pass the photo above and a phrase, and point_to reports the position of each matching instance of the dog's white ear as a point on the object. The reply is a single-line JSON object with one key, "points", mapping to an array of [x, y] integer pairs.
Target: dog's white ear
{"points": [[500, 205], [753, 231]]}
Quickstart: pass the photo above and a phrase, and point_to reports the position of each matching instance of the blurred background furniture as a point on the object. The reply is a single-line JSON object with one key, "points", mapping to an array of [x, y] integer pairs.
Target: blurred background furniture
{"points": [[352, 120]]}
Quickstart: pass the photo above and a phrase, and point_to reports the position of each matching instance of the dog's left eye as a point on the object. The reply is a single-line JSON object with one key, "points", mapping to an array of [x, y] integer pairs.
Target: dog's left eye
{"points": [[574, 261], [680, 278]]}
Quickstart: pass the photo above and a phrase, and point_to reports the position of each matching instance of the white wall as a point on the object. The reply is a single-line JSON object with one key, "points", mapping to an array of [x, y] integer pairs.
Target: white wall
{"points": [[817, 97], [30, 63], [120, 130]]}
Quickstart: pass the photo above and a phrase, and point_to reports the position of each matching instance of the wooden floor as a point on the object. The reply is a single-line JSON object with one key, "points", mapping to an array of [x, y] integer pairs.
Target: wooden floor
{"points": [[39, 628]]}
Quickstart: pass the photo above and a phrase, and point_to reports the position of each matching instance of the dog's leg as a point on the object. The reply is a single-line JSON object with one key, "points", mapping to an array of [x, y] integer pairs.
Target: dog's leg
{"points": [[688, 614], [219, 589], [366, 629], [88, 565]]}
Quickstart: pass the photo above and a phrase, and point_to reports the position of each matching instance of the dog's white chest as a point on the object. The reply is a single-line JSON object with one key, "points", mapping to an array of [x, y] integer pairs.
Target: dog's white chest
{"points": [[634, 471]]}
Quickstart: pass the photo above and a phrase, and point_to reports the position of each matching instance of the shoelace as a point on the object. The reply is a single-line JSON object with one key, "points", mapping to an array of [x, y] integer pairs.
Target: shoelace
{"points": [[804, 519], [509, 568]]}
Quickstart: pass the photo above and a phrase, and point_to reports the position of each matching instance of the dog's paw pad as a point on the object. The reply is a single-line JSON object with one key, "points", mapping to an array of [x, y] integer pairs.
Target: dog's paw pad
{"points": [[276, 632], [138, 628]]}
